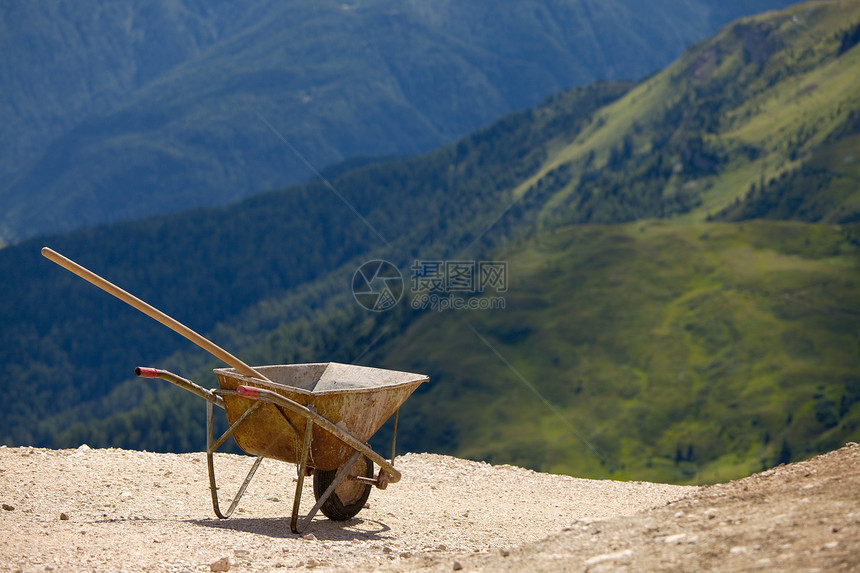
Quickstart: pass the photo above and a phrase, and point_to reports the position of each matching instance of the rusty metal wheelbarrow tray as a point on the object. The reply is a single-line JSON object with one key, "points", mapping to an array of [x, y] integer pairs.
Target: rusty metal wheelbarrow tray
{"points": [[352, 401]]}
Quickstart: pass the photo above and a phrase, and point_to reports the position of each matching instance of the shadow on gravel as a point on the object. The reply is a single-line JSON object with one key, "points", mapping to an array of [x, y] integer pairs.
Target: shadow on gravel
{"points": [[279, 527]]}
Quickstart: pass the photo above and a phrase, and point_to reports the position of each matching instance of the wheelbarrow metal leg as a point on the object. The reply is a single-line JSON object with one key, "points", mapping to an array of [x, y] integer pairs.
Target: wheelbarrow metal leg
{"points": [[231, 429], [210, 460], [302, 470], [394, 436], [339, 477]]}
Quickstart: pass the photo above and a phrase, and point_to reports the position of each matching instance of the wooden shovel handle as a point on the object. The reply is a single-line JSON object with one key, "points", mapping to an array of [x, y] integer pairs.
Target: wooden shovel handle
{"points": [[152, 312]]}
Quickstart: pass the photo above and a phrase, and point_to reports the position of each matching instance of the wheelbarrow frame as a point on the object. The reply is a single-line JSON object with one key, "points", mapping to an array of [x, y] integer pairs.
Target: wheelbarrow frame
{"points": [[387, 473]]}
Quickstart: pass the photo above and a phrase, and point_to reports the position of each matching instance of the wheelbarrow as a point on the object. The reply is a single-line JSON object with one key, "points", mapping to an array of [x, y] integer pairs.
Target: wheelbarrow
{"points": [[318, 416]]}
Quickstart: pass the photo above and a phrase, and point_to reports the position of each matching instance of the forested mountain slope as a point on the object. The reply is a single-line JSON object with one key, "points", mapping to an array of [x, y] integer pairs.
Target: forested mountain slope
{"points": [[209, 266], [771, 100], [118, 110]]}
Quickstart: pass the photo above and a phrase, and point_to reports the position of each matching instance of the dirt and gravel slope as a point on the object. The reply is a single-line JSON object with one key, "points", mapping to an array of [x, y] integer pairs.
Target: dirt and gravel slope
{"points": [[86, 509]]}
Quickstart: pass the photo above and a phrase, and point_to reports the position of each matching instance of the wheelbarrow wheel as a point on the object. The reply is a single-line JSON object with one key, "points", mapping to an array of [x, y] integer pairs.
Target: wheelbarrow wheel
{"points": [[349, 496]]}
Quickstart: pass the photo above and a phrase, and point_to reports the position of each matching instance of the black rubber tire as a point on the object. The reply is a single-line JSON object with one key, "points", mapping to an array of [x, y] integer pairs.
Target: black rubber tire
{"points": [[349, 497]]}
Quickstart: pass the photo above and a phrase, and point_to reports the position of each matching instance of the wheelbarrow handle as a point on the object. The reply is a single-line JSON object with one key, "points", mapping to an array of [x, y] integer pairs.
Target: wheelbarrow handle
{"points": [[151, 312], [208, 395], [145, 372]]}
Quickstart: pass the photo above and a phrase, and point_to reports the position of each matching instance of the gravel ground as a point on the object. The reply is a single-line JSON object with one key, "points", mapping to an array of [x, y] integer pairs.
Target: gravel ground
{"points": [[107, 509]]}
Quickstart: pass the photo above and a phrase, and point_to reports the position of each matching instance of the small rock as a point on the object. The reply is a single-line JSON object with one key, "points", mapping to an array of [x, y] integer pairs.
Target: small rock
{"points": [[64, 516], [241, 553], [675, 538], [737, 550], [504, 552], [679, 514], [310, 537], [84, 448], [386, 549], [273, 498], [125, 496], [831, 544], [222, 564], [457, 566], [8, 507], [405, 555], [608, 557]]}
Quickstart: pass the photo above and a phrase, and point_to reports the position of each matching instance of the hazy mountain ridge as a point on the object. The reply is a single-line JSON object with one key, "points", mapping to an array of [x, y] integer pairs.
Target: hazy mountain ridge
{"points": [[177, 113], [70, 61]]}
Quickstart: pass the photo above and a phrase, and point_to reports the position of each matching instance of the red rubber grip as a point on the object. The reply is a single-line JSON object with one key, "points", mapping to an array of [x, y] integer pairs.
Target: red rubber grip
{"points": [[248, 391], [145, 372]]}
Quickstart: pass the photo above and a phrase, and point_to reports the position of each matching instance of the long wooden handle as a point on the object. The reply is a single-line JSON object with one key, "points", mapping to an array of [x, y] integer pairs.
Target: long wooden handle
{"points": [[152, 312]]}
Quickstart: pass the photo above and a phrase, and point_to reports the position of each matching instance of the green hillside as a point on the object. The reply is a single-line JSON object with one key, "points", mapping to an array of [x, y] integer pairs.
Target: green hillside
{"points": [[653, 350], [121, 110], [651, 329], [769, 98]]}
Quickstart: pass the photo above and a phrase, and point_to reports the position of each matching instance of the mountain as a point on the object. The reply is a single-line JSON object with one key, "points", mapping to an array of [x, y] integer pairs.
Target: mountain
{"points": [[301, 244], [70, 61], [676, 350], [650, 328], [767, 99], [653, 350], [119, 110]]}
